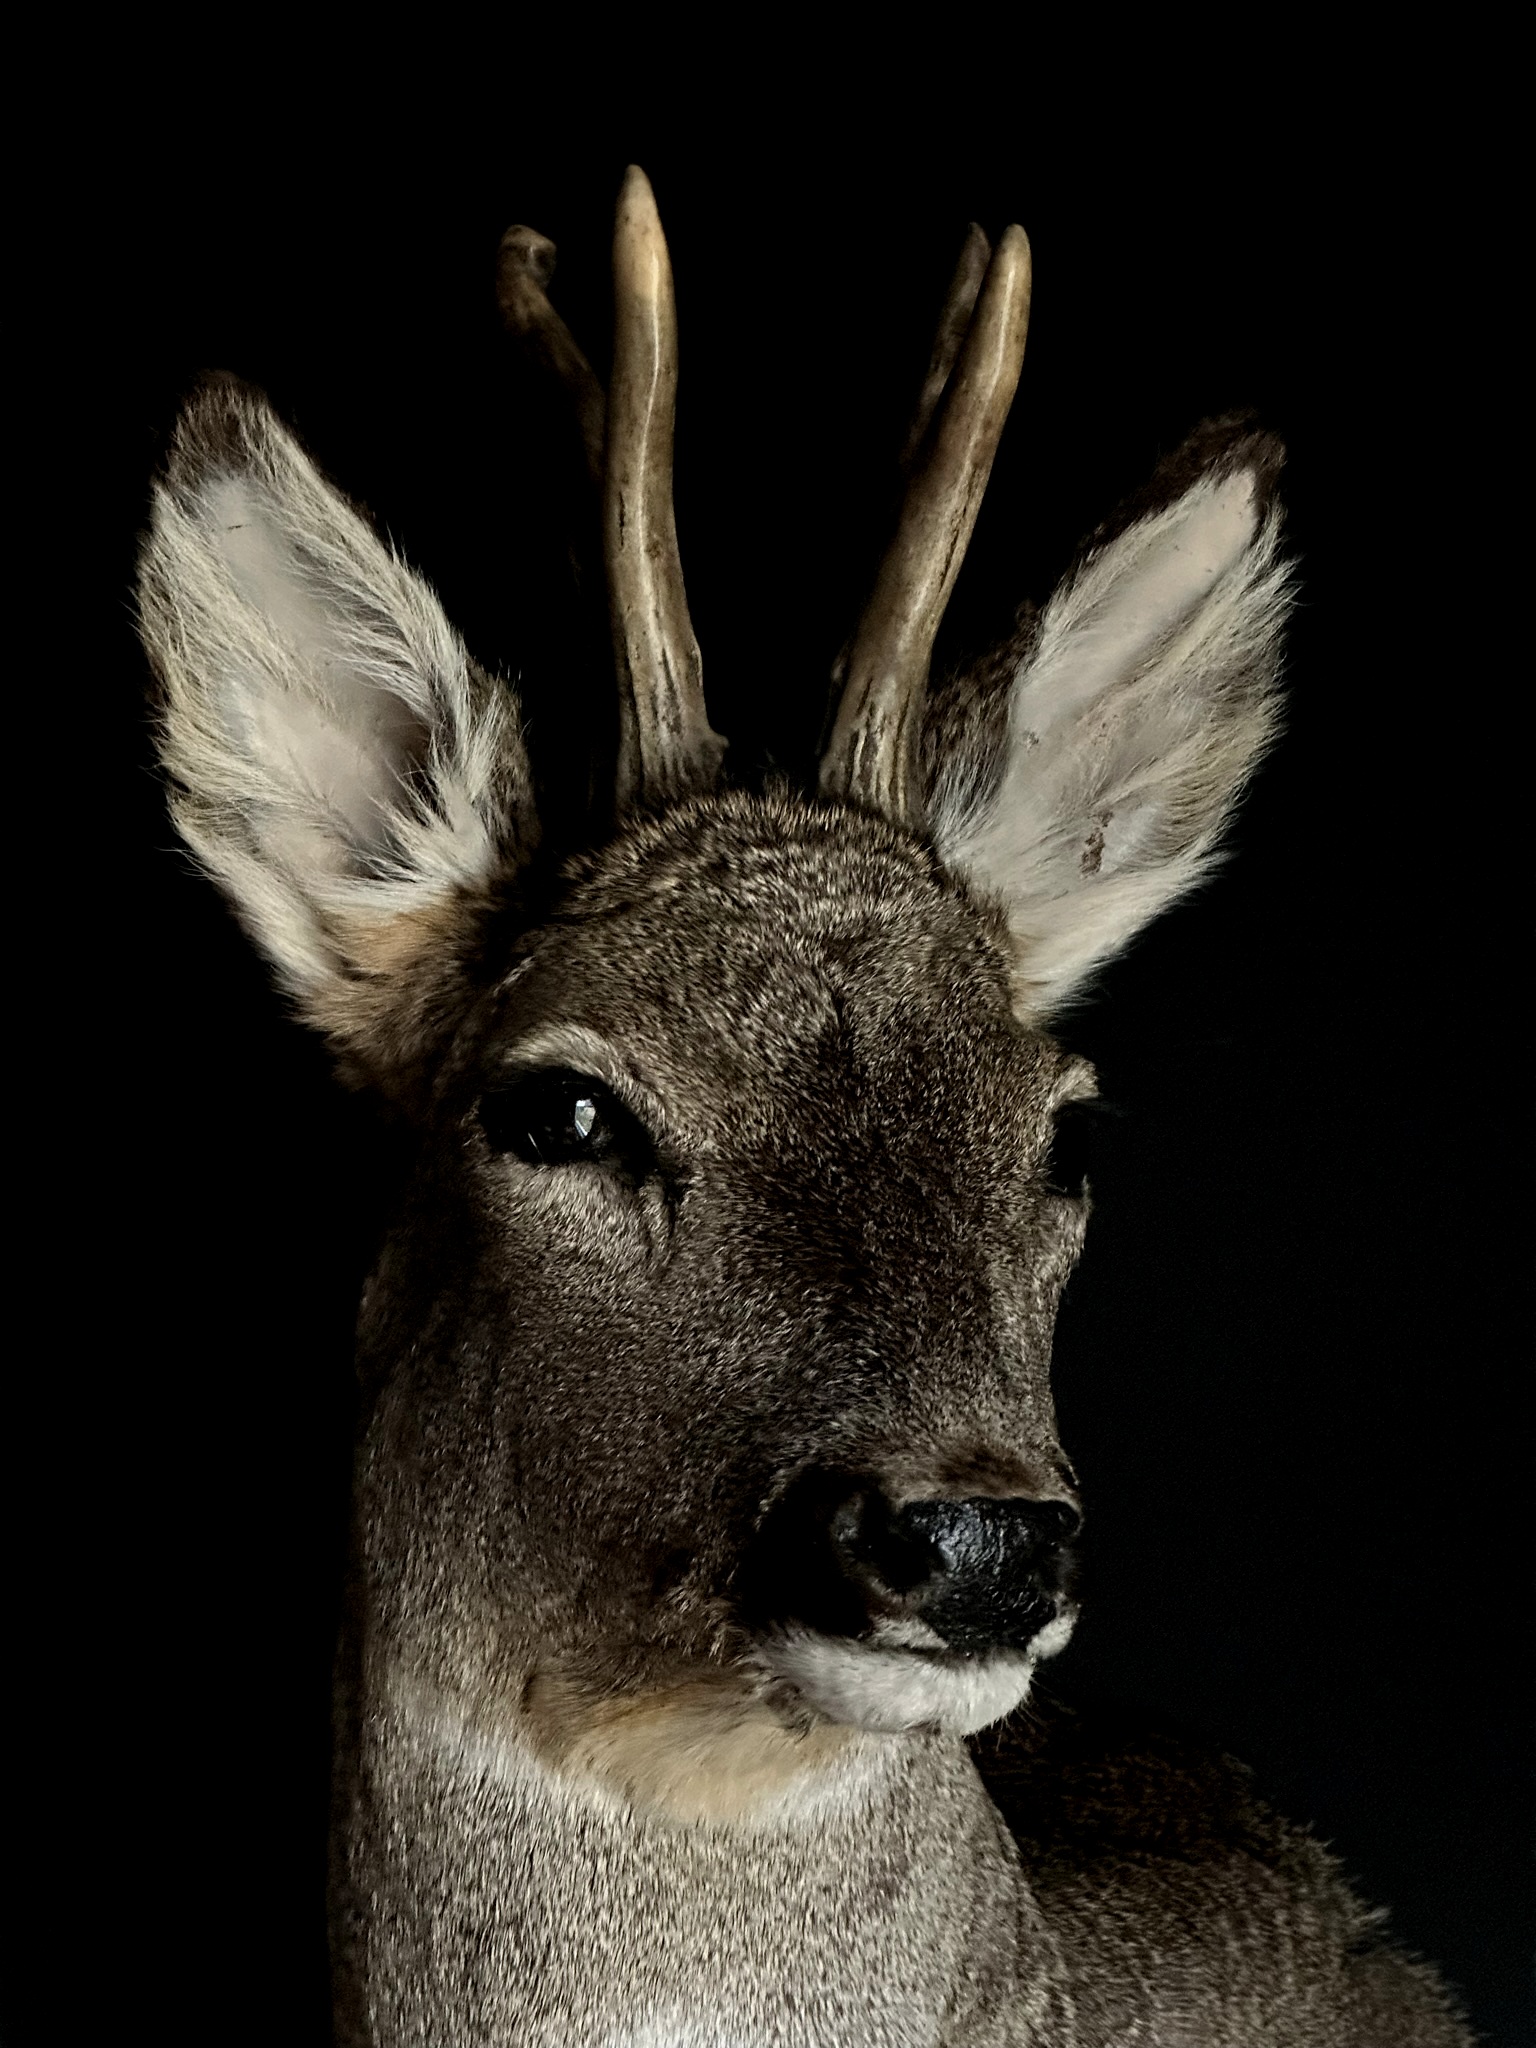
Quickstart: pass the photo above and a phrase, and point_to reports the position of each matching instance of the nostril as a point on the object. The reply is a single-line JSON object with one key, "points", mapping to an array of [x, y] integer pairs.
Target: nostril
{"points": [[827, 1554], [900, 1555]]}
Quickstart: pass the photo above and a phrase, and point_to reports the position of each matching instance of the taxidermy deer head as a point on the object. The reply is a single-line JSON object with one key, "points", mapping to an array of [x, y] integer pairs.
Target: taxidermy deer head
{"points": [[708, 1476]]}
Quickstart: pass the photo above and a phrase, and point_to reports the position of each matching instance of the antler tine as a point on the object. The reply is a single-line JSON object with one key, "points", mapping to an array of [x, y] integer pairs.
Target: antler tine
{"points": [[525, 265], [666, 746], [964, 289], [872, 756]]}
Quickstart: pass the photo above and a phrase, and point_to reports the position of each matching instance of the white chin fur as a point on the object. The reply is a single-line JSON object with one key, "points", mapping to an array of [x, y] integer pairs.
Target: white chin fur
{"points": [[894, 1691]]}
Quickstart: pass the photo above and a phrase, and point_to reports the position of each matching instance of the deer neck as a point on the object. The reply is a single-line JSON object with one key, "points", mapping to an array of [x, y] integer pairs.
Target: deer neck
{"points": [[539, 1903]]}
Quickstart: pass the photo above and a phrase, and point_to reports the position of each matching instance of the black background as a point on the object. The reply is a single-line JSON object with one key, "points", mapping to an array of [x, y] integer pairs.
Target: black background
{"points": [[1287, 1368]]}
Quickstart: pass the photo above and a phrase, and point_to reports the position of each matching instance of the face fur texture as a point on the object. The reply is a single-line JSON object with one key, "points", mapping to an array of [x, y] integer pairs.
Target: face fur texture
{"points": [[829, 1240]]}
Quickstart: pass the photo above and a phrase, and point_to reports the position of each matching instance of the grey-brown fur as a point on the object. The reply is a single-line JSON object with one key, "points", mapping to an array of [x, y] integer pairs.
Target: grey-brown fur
{"points": [[584, 1792]]}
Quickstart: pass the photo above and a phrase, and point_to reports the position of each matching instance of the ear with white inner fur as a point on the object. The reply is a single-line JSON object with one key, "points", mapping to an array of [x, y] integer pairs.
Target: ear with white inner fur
{"points": [[1135, 712], [351, 779]]}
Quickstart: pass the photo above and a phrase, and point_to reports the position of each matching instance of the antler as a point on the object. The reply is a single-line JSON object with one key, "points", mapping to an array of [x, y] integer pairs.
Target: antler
{"points": [[959, 305], [666, 747], [871, 758], [524, 267]]}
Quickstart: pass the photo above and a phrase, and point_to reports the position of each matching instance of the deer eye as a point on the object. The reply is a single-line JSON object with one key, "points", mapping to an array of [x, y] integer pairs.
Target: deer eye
{"points": [[1076, 1145], [559, 1118]]}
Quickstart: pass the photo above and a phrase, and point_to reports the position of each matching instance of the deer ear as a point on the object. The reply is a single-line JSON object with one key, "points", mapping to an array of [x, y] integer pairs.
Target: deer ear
{"points": [[1133, 711], [344, 771]]}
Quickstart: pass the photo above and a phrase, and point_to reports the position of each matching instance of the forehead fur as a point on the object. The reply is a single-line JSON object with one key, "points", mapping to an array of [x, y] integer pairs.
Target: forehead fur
{"points": [[740, 886], [815, 963], [756, 934]]}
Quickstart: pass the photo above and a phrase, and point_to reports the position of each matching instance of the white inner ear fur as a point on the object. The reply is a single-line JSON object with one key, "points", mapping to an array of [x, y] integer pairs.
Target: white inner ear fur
{"points": [[339, 761], [1127, 601], [1132, 725], [344, 737]]}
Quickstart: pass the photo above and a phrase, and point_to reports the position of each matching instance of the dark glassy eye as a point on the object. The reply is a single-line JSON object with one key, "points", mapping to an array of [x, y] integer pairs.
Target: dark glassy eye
{"points": [[559, 1118], [1076, 1145]]}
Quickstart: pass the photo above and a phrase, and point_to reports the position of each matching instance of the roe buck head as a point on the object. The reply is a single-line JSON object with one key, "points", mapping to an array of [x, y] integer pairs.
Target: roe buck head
{"points": [[709, 1417]]}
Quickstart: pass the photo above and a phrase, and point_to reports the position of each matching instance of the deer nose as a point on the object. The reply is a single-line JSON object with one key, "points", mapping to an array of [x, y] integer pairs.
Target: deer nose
{"points": [[984, 1574], [838, 1555]]}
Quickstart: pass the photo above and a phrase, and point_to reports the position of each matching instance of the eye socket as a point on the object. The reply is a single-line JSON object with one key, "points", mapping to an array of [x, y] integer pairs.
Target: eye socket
{"points": [[555, 1117], [1077, 1145]]}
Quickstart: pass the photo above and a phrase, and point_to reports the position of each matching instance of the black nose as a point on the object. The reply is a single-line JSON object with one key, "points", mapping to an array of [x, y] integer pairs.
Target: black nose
{"points": [[983, 1573]]}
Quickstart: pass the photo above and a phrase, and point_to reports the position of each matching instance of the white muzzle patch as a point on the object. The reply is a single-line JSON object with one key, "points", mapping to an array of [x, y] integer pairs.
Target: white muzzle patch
{"points": [[895, 1689]]}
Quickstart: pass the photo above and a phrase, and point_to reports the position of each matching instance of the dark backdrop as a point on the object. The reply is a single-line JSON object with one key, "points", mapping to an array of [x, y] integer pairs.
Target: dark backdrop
{"points": [[1285, 1368]]}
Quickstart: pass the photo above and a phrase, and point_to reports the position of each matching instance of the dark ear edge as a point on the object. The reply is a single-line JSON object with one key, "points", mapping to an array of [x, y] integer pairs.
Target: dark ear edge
{"points": [[1214, 448]]}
